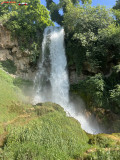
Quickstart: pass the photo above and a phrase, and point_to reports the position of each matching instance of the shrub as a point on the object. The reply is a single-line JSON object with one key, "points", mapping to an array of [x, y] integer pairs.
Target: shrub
{"points": [[91, 90], [8, 66]]}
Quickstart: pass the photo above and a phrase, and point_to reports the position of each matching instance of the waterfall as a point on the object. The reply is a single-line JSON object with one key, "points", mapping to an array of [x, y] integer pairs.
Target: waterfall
{"points": [[52, 82], [52, 78]]}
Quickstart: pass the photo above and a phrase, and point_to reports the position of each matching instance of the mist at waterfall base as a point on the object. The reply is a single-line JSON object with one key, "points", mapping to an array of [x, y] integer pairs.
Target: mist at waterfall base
{"points": [[52, 83]]}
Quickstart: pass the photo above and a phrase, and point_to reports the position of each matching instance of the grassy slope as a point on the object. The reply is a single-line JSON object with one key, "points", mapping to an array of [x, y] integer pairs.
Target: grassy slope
{"points": [[49, 136], [50, 128], [44, 132], [8, 96]]}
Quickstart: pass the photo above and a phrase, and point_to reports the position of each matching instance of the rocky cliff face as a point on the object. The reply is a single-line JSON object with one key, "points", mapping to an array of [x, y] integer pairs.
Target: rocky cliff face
{"points": [[9, 50]]}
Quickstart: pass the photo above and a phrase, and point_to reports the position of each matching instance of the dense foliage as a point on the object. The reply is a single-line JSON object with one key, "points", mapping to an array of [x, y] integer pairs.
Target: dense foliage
{"points": [[93, 49], [26, 22], [117, 6], [8, 66], [55, 8], [117, 11], [87, 29]]}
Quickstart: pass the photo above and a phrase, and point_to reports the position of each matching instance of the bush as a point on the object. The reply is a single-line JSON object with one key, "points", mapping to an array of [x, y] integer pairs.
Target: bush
{"points": [[102, 154], [27, 24], [9, 66], [101, 140], [91, 90], [20, 82], [115, 98]]}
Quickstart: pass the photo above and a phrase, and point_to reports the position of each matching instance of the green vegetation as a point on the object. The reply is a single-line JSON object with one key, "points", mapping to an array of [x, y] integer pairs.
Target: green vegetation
{"points": [[90, 30], [25, 85], [8, 66], [22, 82], [93, 49], [27, 23], [50, 136], [36, 132], [9, 96], [104, 154], [108, 147], [100, 92], [55, 8], [91, 90], [44, 132], [117, 6]]}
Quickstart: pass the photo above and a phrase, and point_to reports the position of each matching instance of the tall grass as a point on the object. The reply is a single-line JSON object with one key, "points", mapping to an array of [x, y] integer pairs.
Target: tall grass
{"points": [[9, 97], [50, 136]]}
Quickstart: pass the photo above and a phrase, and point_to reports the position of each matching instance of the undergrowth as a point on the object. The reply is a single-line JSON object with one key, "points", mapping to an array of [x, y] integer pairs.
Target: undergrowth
{"points": [[8, 66]]}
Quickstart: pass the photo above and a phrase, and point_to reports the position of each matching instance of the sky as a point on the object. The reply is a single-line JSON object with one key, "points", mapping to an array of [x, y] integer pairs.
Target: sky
{"points": [[107, 3]]}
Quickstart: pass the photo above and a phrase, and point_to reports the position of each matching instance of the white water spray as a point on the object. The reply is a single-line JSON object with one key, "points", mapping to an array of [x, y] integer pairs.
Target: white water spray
{"points": [[51, 81]]}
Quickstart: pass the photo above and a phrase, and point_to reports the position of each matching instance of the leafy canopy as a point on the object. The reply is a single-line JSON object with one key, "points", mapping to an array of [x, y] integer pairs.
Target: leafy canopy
{"points": [[117, 11], [93, 48], [117, 5], [27, 22], [82, 25], [54, 8]]}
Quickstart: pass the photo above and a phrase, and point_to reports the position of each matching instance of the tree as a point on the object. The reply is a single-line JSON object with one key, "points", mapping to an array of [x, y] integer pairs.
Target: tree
{"points": [[82, 25], [26, 22], [117, 5], [54, 8], [117, 11], [93, 38], [115, 98]]}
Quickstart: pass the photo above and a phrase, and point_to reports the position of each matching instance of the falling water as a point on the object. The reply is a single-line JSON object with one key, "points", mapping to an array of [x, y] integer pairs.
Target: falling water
{"points": [[51, 81]]}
